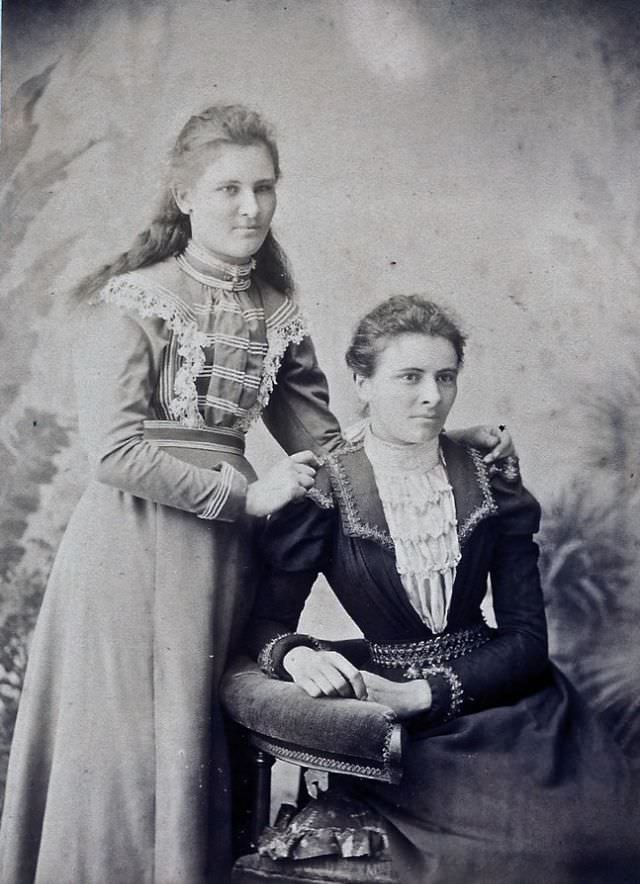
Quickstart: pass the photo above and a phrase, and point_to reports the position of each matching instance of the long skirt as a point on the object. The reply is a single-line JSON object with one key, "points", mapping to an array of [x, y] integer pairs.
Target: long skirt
{"points": [[534, 791], [118, 771]]}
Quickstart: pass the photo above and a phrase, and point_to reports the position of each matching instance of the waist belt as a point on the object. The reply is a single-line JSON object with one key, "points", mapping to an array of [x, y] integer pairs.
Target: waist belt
{"points": [[170, 434], [430, 651]]}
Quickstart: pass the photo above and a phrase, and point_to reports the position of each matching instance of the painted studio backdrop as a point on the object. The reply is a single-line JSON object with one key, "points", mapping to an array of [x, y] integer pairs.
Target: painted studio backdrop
{"points": [[483, 153]]}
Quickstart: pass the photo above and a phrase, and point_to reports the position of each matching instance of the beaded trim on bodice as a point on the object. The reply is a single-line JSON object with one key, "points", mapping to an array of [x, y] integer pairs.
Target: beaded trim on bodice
{"points": [[430, 651]]}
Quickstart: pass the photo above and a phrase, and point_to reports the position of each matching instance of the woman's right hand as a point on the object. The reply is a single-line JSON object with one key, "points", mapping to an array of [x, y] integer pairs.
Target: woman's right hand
{"points": [[324, 673], [289, 479]]}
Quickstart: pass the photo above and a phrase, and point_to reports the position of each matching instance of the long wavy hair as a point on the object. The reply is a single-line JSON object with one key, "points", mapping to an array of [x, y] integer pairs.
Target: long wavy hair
{"points": [[170, 228]]}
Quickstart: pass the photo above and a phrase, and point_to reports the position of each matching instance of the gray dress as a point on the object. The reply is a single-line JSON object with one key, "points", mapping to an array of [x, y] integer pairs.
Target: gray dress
{"points": [[118, 770]]}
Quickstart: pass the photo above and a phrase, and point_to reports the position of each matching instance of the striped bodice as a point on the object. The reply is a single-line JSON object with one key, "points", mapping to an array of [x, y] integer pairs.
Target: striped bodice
{"points": [[223, 353]]}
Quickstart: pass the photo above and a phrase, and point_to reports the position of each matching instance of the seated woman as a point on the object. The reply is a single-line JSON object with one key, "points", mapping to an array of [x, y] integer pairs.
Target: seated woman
{"points": [[508, 778]]}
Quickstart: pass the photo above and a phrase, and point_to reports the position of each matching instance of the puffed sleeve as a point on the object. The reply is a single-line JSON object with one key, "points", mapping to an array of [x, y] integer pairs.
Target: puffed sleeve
{"points": [[116, 362], [298, 414], [295, 547], [515, 661]]}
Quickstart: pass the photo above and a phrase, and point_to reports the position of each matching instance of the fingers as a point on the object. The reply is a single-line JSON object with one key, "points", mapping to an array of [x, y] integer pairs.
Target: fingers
{"points": [[304, 465], [309, 686], [331, 682], [329, 678], [487, 436], [304, 472], [316, 685], [303, 469], [372, 686], [303, 481], [325, 674], [371, 680], [305, 457], [502, 444], [353, 684]]}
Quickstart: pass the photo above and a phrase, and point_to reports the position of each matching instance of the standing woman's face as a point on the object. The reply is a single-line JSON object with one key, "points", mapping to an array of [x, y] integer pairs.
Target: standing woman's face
{"points": [[413, 388], [232, 202]]}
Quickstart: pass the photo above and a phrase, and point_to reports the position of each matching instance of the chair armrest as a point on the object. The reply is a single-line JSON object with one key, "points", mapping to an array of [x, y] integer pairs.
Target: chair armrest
{"points": [[344, 736]]}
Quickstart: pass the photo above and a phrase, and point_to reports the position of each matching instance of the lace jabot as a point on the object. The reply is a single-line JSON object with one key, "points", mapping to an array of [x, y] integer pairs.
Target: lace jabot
{"points": [[420, 510]]}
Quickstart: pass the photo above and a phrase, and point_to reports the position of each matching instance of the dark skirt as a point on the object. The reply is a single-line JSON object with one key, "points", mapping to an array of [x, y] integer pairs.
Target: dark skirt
{"points": [[517, 794]]}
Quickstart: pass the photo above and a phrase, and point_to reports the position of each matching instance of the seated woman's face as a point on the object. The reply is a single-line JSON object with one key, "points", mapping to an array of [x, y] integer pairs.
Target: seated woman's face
{"points": [[413, 388]]}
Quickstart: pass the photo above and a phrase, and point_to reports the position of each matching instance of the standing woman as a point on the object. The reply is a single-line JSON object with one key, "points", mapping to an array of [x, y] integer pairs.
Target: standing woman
{"points": [[118, 771]]}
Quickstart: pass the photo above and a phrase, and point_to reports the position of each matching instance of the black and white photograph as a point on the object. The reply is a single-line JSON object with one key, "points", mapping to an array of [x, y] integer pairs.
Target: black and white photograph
{"points": [[319, 422]]}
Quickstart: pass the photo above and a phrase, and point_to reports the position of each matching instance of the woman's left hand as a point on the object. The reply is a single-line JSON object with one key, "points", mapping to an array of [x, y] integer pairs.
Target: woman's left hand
{"points": [[406, 698], [497, 439]]}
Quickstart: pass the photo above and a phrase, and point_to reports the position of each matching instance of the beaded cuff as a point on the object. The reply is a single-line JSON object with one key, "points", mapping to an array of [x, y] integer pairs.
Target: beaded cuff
{"points": [[272, 654], [265, 657], [456, 691]]}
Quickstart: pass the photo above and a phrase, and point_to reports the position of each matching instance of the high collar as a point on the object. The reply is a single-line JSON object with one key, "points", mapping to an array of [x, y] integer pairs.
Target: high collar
{"points": [[390, 456], [360, 506], [209, 270]]}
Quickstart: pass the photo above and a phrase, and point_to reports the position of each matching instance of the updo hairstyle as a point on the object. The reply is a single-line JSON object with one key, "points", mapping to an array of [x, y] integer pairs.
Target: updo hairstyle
{"points": [[399, 315]]}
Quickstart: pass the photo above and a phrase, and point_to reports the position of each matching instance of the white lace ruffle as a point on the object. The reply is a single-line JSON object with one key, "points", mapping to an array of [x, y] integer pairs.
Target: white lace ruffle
{"points": [[123, 291], [285, 327], [279, 338], [420, 510]]}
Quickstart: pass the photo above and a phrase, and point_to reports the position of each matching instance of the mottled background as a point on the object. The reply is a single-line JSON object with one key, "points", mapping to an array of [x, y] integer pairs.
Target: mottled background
{"points": [[485, 153]]}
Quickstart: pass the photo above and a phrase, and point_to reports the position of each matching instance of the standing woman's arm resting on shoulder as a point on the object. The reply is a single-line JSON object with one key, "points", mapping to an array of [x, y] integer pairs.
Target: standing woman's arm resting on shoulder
{"points": [[497, 439]]}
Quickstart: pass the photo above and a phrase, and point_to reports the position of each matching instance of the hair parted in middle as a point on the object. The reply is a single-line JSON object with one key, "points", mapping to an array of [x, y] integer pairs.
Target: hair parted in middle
{"points": [[399, 315], [170, 228], [216, 126]]}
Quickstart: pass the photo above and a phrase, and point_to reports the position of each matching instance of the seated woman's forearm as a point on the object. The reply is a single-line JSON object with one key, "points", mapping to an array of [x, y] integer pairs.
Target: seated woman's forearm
{"points": [[323, 673], [502, 670]]}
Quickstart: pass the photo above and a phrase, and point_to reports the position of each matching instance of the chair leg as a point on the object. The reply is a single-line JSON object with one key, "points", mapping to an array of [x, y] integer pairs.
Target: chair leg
{"points": [[263, 763]]}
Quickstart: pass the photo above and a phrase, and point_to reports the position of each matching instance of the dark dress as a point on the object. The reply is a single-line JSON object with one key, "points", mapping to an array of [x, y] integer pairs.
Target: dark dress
{"points": [[508, 777]]}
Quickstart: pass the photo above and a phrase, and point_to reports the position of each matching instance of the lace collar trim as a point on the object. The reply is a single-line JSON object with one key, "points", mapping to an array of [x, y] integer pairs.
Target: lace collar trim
{"points": [[361, 510], [136, 292]]}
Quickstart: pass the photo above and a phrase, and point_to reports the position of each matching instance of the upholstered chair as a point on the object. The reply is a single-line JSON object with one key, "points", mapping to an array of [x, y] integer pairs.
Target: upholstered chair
{"points": [[277, 720]]}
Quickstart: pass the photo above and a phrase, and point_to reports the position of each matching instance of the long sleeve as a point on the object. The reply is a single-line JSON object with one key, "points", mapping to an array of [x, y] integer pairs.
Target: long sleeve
{"points": [[298, 414], [295, 547], [116, 361], [516, 659]]}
